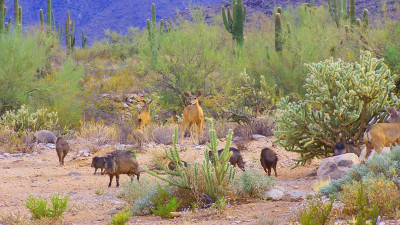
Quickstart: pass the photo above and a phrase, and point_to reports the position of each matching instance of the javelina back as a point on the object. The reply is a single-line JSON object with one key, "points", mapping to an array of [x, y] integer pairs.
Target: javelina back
{"points": [[99, 162], [62, 149], [342, 148], [120, 162], [268, 160], [235, 159], [171, 165], [45, 136]]}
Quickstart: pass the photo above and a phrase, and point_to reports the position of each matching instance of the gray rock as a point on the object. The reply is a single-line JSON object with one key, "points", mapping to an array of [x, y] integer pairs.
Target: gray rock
{"points": [[258, 136], [84, 153], [335, 167], [274, 194], [16, 155], [295, 196], [50, 145], [45, 136], [75, 174]]}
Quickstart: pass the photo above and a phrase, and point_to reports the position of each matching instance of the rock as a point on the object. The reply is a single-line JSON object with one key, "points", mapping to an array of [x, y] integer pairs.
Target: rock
{"points": [[75, 174], [274, 194], [335, 167], [45, 136], [295, 196], [312, 173], [51, 145], [84, 153], [125, 105], [258, 136], [198, 147], [16, 155]]}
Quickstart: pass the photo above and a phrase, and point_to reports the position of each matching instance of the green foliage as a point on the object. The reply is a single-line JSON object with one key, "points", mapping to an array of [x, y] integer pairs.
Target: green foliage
{"points": [[234, 23], [23, 119], [316, 212], [121, 218], [342, 99], [99, 192], [250, 99], [164, 203], [364, 210], [38, 206], [254, 183]]}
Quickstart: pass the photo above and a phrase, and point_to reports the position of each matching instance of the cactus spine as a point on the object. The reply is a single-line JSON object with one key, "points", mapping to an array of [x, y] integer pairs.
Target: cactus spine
{"points": [[365, 20], [48, 20], [2, 15], [84, 39], [278, 32], [41, 20], [69, 32], [352, 12], [234, 23], [152, 29]]}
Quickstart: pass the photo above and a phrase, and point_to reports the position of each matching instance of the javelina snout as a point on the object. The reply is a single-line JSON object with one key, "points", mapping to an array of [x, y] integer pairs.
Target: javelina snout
{"points": [[339, 149], [120, 162], [62, 148], [99, 162], [348, 147], [235, 159], [268, 160], [171, 165]]}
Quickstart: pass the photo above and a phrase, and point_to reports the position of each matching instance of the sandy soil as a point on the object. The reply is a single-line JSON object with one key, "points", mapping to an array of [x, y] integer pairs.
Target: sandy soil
{"points": [[41, 175]]}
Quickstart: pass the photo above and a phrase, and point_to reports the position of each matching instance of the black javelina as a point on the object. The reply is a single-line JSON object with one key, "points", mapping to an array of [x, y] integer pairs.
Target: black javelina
{"points": [[62, 149], [268, 160], [120, 162], [342, 148], [236, 157], [99, 162]]}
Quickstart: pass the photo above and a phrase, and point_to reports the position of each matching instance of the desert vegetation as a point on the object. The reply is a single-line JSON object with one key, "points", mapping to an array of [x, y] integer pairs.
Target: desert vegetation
{"points": [[308, 77]]}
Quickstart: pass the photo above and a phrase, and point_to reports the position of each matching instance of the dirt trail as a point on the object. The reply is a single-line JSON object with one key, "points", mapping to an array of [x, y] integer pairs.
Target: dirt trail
{"points": [[41, 175]]}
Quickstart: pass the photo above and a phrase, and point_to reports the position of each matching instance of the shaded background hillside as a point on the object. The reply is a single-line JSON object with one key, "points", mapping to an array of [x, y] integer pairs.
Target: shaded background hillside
{"points": [[95, 16]]}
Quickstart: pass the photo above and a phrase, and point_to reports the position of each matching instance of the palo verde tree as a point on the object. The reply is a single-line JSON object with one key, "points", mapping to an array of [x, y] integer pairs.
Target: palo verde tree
{"points": [[234, 23], [342, 100]]}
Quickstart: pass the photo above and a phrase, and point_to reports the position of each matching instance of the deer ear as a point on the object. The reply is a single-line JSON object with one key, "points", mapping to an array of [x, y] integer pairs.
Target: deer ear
{"points": [[186, 103], [198, 94], [186, 95]]}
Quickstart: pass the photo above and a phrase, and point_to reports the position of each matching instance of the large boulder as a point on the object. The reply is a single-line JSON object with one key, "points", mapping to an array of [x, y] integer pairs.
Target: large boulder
{"points": [[335, 167], [45, 136]]}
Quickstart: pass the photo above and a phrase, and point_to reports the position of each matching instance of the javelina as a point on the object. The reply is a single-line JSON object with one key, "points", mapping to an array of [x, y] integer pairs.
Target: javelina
{"points": [[45, 136], [99, 162], [268, 160], [342, 148], [62, 148], [120, 162], [236, 157], [171, 165]]}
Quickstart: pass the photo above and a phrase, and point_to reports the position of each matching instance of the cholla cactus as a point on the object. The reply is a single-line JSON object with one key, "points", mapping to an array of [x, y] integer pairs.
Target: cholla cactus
{"points": [[342, 100]]}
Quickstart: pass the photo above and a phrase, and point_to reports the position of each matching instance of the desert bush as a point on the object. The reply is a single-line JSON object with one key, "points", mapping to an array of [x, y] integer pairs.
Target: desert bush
{"points": [[263, 125], [14, 219], [222, 127], [312, 127], [22, 119], [139, 195], [121, 218], [244, 131], [38, 206], [162, 135], [253, 184], [127, 134], [98, 133], [165, 204], [316, 212], [365, 211], [12, 142]]}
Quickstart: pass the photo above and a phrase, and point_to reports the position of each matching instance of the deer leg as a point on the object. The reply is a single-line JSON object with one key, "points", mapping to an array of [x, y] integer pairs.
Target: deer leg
{"points": [[183, 131], [201, 130], [95, 169]]}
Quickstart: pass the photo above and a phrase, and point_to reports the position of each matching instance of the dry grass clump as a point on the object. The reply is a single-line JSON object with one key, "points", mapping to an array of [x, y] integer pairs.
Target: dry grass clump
{"points": [[244, 132], [127, 134], [13, 142], [157, 155], [162, 134], [263, 125], [222, 127]]}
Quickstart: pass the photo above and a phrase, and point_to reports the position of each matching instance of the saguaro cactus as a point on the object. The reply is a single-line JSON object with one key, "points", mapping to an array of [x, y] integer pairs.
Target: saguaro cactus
{"points": [[365, 19], [278, 32], [53, 29], [69, 32], [41, 20], [84, 39], [20, 17], [152, 29], [16, 13], [3, 12], [352, 12], [48, 21], [234, 23], [330, 9]]}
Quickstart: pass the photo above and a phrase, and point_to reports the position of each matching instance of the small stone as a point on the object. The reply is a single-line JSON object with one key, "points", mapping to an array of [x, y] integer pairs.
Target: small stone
{"points": [[74, 174], [274, 194], [258, 136]]}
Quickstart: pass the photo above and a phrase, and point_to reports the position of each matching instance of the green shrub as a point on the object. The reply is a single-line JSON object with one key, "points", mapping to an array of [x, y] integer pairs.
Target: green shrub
{"points": [[121, 218], [364, 210], [254, 183], [99, 192], [164, 203], [38, 206], [342, 99], [23, 119], [316, 212]]}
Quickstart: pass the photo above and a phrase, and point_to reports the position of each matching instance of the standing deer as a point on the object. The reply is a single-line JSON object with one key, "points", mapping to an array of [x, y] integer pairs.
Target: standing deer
{"points": [[193, 114], [383, 134], [143, 116]]}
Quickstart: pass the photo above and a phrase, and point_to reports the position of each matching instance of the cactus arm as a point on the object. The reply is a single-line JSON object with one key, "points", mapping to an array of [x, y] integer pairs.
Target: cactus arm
{"points": [[41, 19], [2, 15], [161, 26], [365, 19], [226, 24], [53, 29], [353, 11], [48, 15], [16, 13]]}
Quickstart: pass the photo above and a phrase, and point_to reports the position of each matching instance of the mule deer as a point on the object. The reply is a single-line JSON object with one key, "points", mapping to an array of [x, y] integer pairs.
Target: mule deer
{"points": [[193, 114], [143, 116], [383, 134]]}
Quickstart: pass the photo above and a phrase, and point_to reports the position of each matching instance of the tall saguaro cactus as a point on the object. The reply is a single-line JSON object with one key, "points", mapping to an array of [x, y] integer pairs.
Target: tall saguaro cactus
{"points": [[41, 20], [234, 23], [84, 39], [16, 13], [48, 21], [365, 20], [3, 12], [69, 32], [53, 29], [352, 12], [20, 17], [152, 29], [278, 32]]}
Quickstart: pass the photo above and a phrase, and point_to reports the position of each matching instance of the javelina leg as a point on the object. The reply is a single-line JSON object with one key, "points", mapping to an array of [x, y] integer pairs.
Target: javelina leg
{"points": [[95, 169], [138, 177], [276, 175], [101, 171], [269, 171], [117, 178], [63, 157], [111, 177]]}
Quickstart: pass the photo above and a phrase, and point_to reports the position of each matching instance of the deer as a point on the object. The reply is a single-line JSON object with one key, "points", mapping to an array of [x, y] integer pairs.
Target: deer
{"points": [[143, 116], [193, 115], [382, 135]]}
